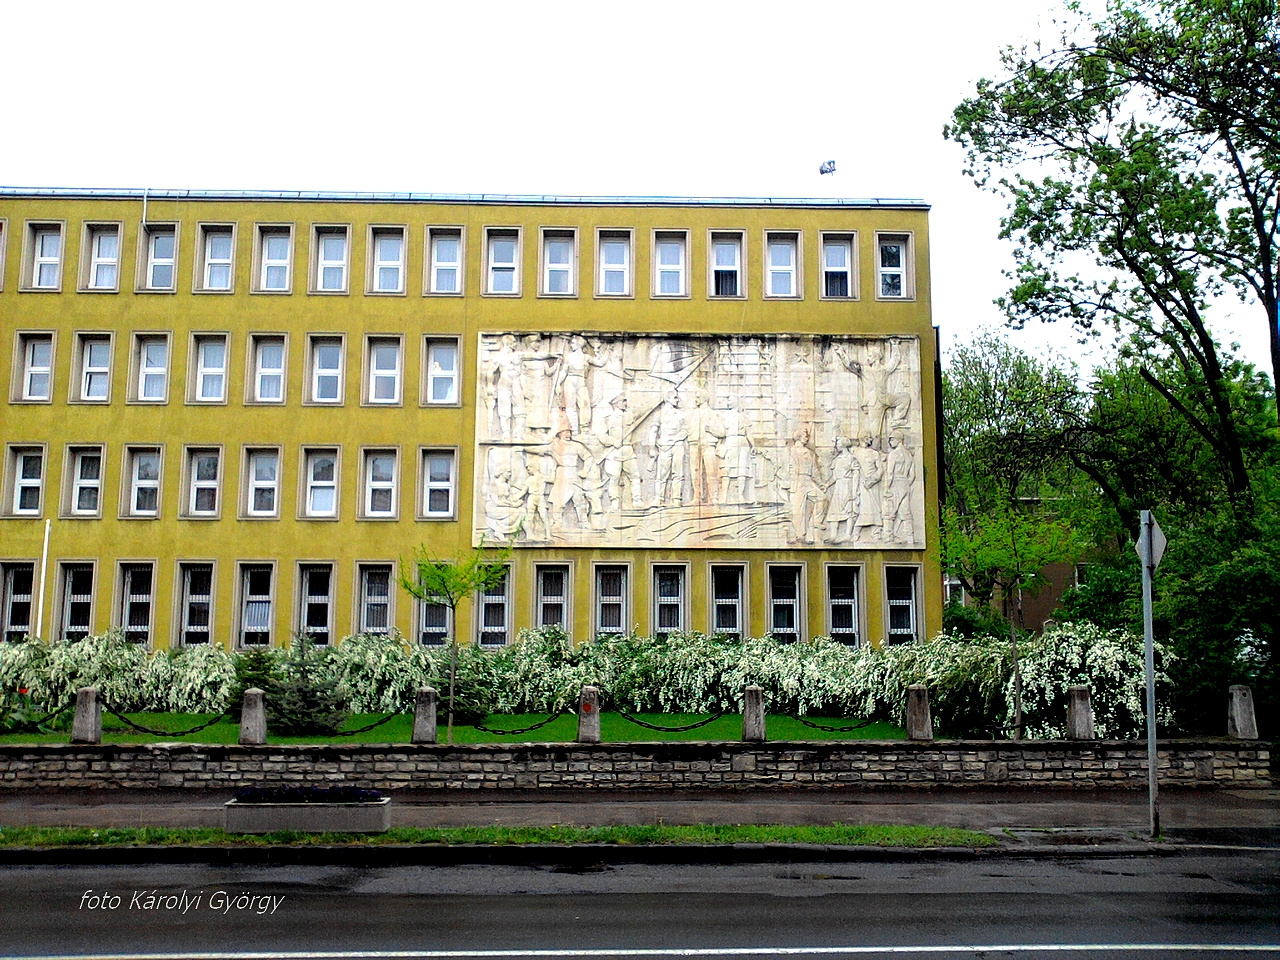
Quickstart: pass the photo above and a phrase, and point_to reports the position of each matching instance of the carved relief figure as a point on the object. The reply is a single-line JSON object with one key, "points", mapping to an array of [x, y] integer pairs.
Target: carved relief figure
{"points": [[804, 487], [842, 497], [508, 389], [673, 451], [575, 398], [870, 516], [900, 473]]}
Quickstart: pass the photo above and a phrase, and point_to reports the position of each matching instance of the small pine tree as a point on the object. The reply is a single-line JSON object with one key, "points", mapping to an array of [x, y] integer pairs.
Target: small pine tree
{"points": [[254, 668], [304, 703]]}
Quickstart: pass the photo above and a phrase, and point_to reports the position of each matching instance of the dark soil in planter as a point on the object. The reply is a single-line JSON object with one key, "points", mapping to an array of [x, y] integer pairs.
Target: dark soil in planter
{"points": [[308, 795]]}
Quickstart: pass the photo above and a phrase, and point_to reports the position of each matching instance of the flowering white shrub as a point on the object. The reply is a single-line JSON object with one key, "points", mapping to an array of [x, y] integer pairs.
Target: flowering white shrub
{"points": [[109, 662], [189, 680]]}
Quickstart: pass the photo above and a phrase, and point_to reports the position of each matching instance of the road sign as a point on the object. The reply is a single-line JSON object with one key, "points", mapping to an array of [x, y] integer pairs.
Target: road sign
{"points": [[1158, 541]]}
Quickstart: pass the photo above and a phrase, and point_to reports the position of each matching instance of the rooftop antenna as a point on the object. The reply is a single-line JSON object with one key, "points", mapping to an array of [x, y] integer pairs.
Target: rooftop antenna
{"points": [[828, 167]]}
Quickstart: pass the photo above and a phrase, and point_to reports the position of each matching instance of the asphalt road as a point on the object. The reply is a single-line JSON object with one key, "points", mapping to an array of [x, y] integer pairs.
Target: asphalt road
{"points": [[1059, 908]]}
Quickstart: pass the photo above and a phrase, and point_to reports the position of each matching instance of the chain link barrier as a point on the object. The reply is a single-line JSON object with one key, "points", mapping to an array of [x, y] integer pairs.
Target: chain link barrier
{"points": [[225, 714], [537, 726], [35, 725], [373, 726], [826, 729], [661, 729]]}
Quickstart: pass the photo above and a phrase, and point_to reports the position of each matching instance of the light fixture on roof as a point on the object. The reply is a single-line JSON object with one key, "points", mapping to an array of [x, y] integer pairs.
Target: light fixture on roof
{"points": [[828, 167]]}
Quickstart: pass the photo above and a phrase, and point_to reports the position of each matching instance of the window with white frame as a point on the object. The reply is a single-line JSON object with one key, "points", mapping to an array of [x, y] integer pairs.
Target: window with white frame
{"points": [[782, 272], [76, 619], [446, 261], [726, 265], [46, 257], [553, 595], [611, 599], [162, 252], [331, 259], [263, 486], [893, 275], [86, 481], [197, 603], [321, 483], [255, 604], [325, 362], [152, 360], [494, 604], [144, 482], [502, 252], [375, 598], [104, 257], [837, 266], [268, 369], [380, 484], [216, 266], [27, 466], [726, 599], [900, 596], [275, 252], [387, 267], [615, 264], [784, 602], [16, 604], [435, 623], [211, 369], [668, 599], [442, 371], [384, 370], [95, 369], [315, 614], [37, 366], [670, 265], [842, 603], [559, 278], [136, 585], [438, 483], [204, 476]]}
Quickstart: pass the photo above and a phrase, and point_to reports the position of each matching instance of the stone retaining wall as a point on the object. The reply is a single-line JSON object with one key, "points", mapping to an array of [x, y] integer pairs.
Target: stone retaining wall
{"points": [[638, 767]]}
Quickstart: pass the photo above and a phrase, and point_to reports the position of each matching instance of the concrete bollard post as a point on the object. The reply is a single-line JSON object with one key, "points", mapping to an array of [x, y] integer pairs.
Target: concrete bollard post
{"points": [[919, 722], [753, 724], [1242, 722], [1079, 714], [424, 716], [253, 718], [589, 715], [87, 726]]}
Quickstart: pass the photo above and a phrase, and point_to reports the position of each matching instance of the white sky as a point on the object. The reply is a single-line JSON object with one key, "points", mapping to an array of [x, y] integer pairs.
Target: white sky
{"points": [[689, 99]]}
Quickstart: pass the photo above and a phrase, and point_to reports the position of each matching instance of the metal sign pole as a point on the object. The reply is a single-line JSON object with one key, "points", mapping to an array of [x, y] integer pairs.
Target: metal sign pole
{"points": [[1149, 560]]}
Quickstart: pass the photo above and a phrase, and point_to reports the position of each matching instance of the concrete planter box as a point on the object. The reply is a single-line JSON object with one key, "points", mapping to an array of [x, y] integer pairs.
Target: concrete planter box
{"points": [[374, 817]]}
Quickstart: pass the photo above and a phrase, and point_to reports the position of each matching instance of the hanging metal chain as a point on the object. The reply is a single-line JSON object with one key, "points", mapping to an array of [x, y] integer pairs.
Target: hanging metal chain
{"points": [[373, 726], [163, 733], [661, 729], [536, 726], [825, 729], [37, 723]]}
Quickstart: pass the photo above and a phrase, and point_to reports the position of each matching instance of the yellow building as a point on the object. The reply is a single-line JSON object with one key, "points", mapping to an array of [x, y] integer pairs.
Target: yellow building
{"points": [[235, 415]]}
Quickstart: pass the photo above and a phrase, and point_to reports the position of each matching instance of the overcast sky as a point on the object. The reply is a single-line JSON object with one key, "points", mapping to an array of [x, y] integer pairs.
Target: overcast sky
{"points": [[686, 99]]}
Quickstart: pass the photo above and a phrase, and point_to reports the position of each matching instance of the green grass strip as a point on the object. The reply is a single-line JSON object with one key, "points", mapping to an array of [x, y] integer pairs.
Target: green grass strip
{"points": [[843, 835]]}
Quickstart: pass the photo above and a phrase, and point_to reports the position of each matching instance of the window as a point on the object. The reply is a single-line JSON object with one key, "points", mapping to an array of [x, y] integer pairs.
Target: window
{"points": [[837, 266], [435, 623], [322, 483], [103, 268], [900, 595], [197, 603], [387, 266], [784, 603], [375, 598], [384, 370], [446, 261], [559, 256], [144, 482], [86, 481], [611, 599], [15, 605], [442, 371], [437, 483], [893, 278], [668, 599], [162, 251], [380, 484], [255, 604], [670, 277], [203, 479], [842, 603], [503, 259], [135, 601], [326, 370], [726, 265], [614, 259], [211, 369], [262, 488], [315, 616], [152, 362], [553, 596], [331, 260], [726, 601], [217, 244], [275, 249], [782, 277], [95, 369], [76, 621], [27, 470], [46, 256], [494, 604], [268, 370], [37, 367]]}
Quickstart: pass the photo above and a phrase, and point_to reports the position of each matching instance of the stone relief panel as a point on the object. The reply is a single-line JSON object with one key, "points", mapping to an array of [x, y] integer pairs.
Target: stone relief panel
{"points": [[622, 440]]}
